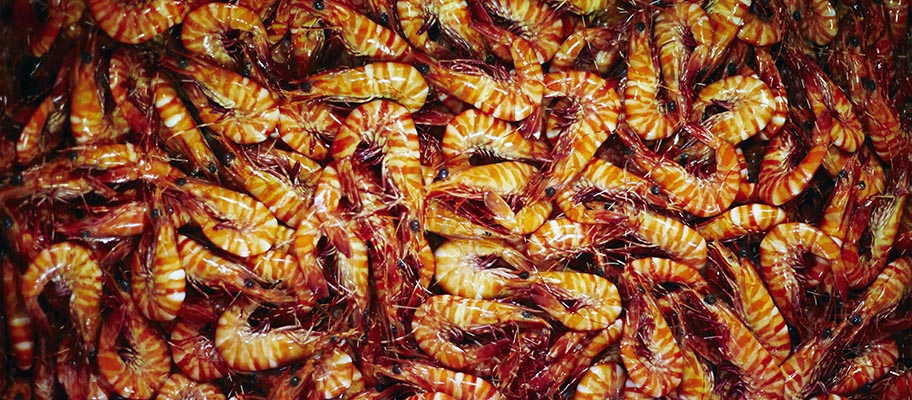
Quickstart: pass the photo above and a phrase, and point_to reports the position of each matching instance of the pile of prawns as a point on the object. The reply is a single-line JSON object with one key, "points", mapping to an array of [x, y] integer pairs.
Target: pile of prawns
{"points": [[482, 199]]}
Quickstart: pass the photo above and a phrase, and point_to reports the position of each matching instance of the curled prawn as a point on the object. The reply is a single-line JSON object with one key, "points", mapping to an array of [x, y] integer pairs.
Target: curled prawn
{"points": [[647, 332], [440, 318], [511, 98], [594, 302], [591, 117], [244, 110], [89, 121], [474, 132], [137, 368], [360, 34], [782, 175], [192, 344], [248, 348], [454, 18], [179, 386], [465, 268], [534, 21], [876, 360], [748, 102], [137, 22], [75, 269], [203, 267], [456, 384], [203, 28], [601, 381], [674, 26], [562, 237], [178, 128], [644, 114], [158, 277]]}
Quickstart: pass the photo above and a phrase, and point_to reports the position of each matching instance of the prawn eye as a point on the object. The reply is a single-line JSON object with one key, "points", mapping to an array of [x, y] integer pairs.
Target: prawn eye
{"points": [[400, 264], [827, 333], [710, 299], [524, 275], [640, 26], [443, 173], [808, 125], [85, 58], [318, 4], [526, 314], [796, 16], [655, 190], [155, 213], [295, 381], [248, 283], [7, 222], [414, 226], [183, 62], [72, 155], [672, 106], [853, 40], [305, 87], [869, 84], [212, 168], [384, 18], [396, 369], [731, 68], [856, 319], [861, 185], [84, 234], [842, 173], [423, 68], [550, 191], [16, 180], [181, 181]]}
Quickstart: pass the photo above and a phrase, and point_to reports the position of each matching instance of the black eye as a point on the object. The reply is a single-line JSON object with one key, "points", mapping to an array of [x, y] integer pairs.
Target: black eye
{"points": [[181, 181], [827, 333], [396, 369], [853, 40], [443, 173], [318, 4], [861, 185], [212, 168], [655, 190], [710, 299], [640, 26], [155, 213], [796, 16], [16, 180], [550, 191], [249, 283], [672, 106], [414, 226], [183, 62], [869, 84], [526, 314], [305, 87], [384, 19], [7, 222], [227, 158], [856, 319], [524, 275], [85, 58], [295, 381], [423, 68], [842, 173], [731, 68]]}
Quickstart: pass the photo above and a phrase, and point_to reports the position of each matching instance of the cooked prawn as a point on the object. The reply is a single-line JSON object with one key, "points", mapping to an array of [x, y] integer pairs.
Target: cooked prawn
{"points": [[402, 83], [230, 104], [435, 379], [876, 359], [18, 323], [203, 267], [203, 31], [89, 121], [464, 268], [512, 98], [782, 175], [534, 21], [178, 128], [742, 220], [474, 132], [561, 237], [592, 116], [248, 348], [454, 18], [440, 318], [303, 123], [75, 269], [578, 300], [192, 343], [748, 102], [360, 34], [137, 366], [674, 27], [137, 22], [158, 278], [601, 381], [180, 387], [642, 111]]}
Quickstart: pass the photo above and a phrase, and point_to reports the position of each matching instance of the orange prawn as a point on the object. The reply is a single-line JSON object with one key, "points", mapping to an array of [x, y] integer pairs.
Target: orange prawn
{"points": [[137, 366], [137, 22], [192, 346], [360, 34], [592, 117], [742, 220], [781, 253], [464, 269], [249, 348], [303, 123], [595, 301], [158, 277], [18, 323], [75, 269], [454, 18], [782, 175], [642, 111], [440, 317], [561, 237], [178, 129], [601, 381], [647, 332], [89, 121], [400, 82], [180, 387], [876, 360], [534, 21], [748, 102], [702, 196], [474, 132], [203, 29], [205, 268], [511, 98], [672, 25]]}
